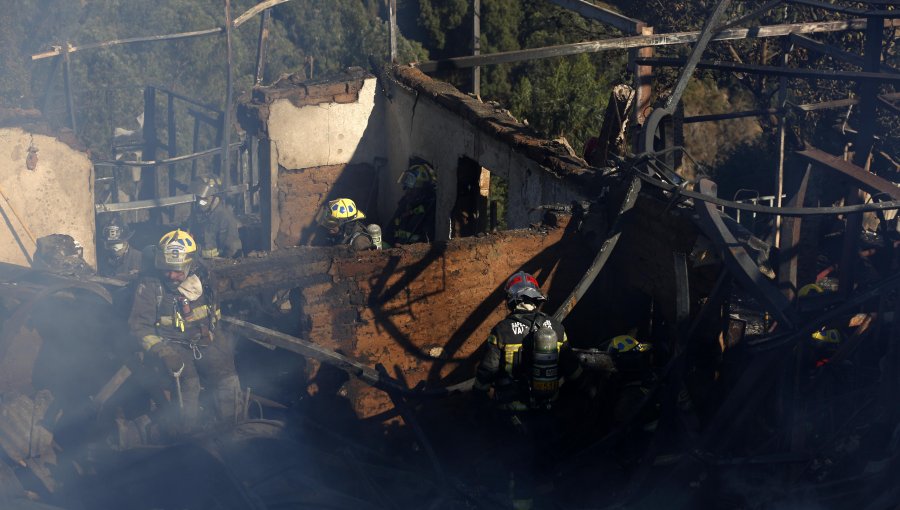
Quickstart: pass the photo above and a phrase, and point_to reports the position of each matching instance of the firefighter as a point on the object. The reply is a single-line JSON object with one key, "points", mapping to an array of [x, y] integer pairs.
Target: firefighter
{"points": [[414, 220], [174, 316], [525, 356], [121, 260], [212, 222], [635, 378], [343, 221]]}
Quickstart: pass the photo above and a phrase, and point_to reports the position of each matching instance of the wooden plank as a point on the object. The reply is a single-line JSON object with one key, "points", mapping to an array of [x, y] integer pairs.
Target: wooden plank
{"points": [[115, 42], [607, 16], [262, 46], [256, 9], [831, 51], [392, 14], [813, 74], [641, 41], [863, 178], [225, 172]]}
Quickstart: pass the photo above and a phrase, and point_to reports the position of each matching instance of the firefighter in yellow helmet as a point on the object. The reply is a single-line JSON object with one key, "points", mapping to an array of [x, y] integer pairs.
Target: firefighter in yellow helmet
{"points": [[212, 222], [174, 316], [343, 221]]}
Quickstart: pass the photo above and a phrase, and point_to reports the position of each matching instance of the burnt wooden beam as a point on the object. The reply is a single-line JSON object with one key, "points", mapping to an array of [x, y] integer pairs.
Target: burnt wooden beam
{"points": [[814, 74], [115, 42], [854, 11], [641, 41], [597, 13], [788, 253], [731, 115], [609, 244], [863, 178], [832, 51], [263, 6], [262, 46]]}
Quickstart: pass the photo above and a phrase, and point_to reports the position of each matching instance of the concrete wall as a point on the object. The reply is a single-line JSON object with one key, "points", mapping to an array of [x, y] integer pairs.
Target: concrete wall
{"points": [[327, 133], [419, 126], [56, 197], [422, 308]]}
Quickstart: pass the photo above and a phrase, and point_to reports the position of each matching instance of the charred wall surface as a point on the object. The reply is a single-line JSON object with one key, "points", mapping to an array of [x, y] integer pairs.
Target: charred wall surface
{"points": [[422, 308]]}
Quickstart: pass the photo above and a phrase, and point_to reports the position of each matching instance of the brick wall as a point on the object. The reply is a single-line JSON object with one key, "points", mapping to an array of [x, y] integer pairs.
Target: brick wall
{"points": [[422, 308], [301, 192]]}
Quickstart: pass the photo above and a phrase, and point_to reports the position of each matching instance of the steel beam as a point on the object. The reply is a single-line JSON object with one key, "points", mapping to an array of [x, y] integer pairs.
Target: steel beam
{"points": [[648, 133], [744, 270]]}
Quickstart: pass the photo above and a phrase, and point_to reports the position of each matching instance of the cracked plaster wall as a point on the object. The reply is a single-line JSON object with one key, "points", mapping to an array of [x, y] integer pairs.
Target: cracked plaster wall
{"points": [[56, 197]]}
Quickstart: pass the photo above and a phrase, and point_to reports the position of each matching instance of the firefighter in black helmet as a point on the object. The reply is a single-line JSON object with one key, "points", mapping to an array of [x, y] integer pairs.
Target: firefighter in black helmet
{"points": [[120, 259], [526, 355], [212, 222]]}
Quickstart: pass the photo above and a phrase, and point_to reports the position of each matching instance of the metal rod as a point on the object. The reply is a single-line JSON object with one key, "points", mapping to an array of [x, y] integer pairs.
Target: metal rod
{"points": [[172, 144], [178, 159], [137, 205]]}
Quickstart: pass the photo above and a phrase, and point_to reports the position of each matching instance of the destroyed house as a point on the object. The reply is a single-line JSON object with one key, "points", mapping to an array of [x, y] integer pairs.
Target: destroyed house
{"points": [[734, 354]]}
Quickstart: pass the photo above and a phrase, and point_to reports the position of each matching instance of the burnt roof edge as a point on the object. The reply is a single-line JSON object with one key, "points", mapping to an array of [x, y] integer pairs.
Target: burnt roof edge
{"points": [[550, 155]]}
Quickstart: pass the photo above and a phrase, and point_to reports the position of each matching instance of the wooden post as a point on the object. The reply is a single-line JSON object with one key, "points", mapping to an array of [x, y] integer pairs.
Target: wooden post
{"points": [[226, 117], [868, 97], [643, 86], [779, 174], [195, 142], [262, 46], [392, 14], [67, 79], [48, 88], [476, 46], [172, 143]]}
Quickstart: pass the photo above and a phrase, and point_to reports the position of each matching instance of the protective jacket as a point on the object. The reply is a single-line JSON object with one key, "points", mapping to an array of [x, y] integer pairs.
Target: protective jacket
{"points": [[414, 220], [177, 326], [125, 267], [507, 364], [161, 312], [216, 231], [354, 234]]}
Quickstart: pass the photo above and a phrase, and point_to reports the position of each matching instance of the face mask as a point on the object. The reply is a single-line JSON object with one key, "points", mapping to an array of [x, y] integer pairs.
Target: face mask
{"points": [[203, 202]]}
